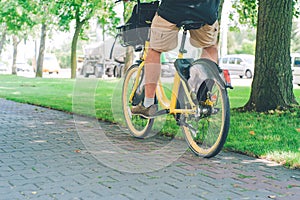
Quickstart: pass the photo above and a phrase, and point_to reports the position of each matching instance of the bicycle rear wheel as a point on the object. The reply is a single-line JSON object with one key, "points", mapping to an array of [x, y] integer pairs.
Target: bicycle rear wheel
{"points": [[207, 133], [139, 127]]}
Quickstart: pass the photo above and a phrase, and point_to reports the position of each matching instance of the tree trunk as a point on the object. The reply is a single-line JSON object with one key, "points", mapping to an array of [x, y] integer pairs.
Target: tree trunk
{"points": [[15, 53], [78, 27], [40, 60], [3, 38], [272, 86]]}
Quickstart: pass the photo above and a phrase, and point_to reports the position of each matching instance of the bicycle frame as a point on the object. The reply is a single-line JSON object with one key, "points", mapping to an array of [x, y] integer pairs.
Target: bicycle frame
{"points": [[168, 104]]}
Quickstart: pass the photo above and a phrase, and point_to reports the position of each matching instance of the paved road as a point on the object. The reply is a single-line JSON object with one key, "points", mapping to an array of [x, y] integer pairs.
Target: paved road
{"points": [[48, 154]]}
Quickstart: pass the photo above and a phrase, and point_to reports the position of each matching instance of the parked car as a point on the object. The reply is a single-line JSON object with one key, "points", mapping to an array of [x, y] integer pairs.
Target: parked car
{"points": [[24, 69], [296, 67], [4, 68], [238, 64], [50, 64]]}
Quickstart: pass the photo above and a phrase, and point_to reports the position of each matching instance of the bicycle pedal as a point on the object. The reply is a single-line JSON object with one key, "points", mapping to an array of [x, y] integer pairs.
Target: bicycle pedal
{"points": [[157, 114]]}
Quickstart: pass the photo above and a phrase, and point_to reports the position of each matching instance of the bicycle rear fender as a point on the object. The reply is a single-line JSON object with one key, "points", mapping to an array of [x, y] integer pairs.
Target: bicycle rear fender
{"points": [[203, 69]]}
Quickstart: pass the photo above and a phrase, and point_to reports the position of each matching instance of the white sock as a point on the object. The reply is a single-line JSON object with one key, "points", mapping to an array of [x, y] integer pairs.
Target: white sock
{"points": [[148, 102]]}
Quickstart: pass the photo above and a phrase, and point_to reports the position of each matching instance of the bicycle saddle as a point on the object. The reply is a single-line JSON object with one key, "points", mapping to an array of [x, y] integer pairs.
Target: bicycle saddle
{"points": [[190, 24]]}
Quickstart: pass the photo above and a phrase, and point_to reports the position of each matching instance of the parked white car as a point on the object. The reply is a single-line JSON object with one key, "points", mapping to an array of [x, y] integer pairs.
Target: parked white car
{"points": [[296, 67], [24, 69], [51, 64], [238, 64], [4, 69]]}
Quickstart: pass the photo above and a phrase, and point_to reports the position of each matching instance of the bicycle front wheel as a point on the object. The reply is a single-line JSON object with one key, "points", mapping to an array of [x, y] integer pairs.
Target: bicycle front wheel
{"points": [[207, 133], [139, 127]]}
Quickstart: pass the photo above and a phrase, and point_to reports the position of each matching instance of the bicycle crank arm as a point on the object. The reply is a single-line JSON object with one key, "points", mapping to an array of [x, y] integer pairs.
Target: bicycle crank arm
{"points": [[161, 112]]}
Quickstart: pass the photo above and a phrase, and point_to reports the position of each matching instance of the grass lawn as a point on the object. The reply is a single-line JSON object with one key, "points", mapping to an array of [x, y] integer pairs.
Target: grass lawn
{"points": [[275, 136]]}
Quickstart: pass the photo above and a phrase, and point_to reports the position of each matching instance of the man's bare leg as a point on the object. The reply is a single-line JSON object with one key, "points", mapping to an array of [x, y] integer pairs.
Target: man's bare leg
{"points": [[210, 53], [152, 74]]}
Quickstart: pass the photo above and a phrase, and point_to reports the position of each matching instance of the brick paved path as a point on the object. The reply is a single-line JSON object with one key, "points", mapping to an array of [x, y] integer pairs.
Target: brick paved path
{"points": [[44, 155]]}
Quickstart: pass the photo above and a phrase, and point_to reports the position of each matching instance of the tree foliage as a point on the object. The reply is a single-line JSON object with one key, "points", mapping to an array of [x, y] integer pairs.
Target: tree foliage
{"points": [[80, 11], [107, 18], [17, 19], [248, 10], [17, 15]]}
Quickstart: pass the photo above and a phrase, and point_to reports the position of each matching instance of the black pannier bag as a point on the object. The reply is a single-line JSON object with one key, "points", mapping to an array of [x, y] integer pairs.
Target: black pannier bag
{"points": [[135, 31]]}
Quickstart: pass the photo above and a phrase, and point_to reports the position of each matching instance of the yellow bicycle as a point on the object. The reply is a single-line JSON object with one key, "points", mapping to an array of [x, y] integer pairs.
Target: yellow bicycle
{"points": [[199, 100]]}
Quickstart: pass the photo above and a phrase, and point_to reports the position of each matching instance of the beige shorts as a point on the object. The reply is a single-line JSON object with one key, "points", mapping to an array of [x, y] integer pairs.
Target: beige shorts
{"points": [[164, 35]]}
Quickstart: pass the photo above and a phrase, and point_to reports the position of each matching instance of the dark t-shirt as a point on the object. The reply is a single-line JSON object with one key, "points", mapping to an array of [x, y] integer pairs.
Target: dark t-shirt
{"points": [[177, 11]]}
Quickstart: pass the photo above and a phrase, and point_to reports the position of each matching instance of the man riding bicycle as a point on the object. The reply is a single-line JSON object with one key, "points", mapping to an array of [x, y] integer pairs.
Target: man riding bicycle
{"points": [[164, 37]]}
